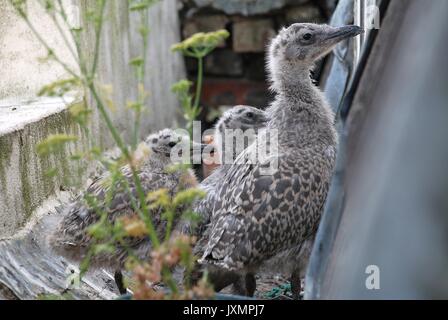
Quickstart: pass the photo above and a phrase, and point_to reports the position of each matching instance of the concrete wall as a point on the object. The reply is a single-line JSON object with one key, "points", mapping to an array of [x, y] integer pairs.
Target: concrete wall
{"points": [[25, 120], [22, 72], [24, 183]]}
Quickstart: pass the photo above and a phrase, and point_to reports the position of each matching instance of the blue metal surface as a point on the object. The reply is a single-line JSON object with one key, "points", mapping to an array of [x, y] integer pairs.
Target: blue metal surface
{"points": [[340, 86]]}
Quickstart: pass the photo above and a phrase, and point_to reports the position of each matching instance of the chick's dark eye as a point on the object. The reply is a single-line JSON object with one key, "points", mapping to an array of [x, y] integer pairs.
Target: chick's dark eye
{"points": [[307, 36], [172, 144], [250, 115]]}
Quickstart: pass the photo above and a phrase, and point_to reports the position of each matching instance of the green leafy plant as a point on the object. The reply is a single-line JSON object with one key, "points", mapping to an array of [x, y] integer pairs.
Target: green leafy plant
{"points": [[82, 82], [198, 47]]}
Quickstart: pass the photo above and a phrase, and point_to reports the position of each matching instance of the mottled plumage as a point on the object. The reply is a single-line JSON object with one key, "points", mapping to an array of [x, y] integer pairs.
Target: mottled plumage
{"points": [[245, 118], [71, 238], [248, 120], [259, 216]]}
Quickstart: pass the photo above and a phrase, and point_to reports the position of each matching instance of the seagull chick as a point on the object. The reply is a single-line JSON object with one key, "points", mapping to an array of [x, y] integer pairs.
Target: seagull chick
{"points": [[71, 238], [259, 215], [240, 122], [236, 129]]}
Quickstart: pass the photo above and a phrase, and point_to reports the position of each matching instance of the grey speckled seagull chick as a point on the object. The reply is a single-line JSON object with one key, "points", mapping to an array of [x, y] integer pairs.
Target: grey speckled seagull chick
{"points": [[71, 238], [245, 118], [244, 121], [258, 216]]}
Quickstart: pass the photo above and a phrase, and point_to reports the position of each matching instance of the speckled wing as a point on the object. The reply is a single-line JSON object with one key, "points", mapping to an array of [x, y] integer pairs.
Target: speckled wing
{"points": [[258, 215], [121, 201], [204, 207], [73, 228]]}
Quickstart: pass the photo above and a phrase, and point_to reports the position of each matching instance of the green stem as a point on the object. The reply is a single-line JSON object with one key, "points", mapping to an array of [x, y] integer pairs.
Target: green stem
{"points": [[98, 30], [136, 129], [169, 224], [61, 32], [108, 120], [44, 43], [168, 279], [197, 98], [75, 37], [141, 78], [145, 216], [119, 141]]}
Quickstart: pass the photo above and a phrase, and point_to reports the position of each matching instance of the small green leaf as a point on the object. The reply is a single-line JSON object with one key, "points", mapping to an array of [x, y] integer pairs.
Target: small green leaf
{"points": [[54, 143], [182, 86], [187, 197], [141, 5], [51, 173], [60, 87], [136, 62], [103, 248], [98, 231]]}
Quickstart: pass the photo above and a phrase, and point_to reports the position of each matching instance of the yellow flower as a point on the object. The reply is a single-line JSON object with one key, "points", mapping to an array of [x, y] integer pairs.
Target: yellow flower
{"points": [[159, 198], [134, 227]]}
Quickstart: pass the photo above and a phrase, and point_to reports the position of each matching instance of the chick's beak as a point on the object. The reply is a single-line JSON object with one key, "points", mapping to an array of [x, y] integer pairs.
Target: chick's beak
{"points": [[343, 33], [195, 146], [196, 150]]}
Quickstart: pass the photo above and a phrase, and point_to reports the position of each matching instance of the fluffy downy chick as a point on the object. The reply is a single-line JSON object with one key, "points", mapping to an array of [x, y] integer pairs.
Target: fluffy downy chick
{"points": [[259, 215], [240, 123], [152, 159]]}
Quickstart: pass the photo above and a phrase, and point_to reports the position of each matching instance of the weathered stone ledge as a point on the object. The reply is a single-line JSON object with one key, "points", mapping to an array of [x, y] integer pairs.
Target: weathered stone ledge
{"points": [[24, 182]]}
